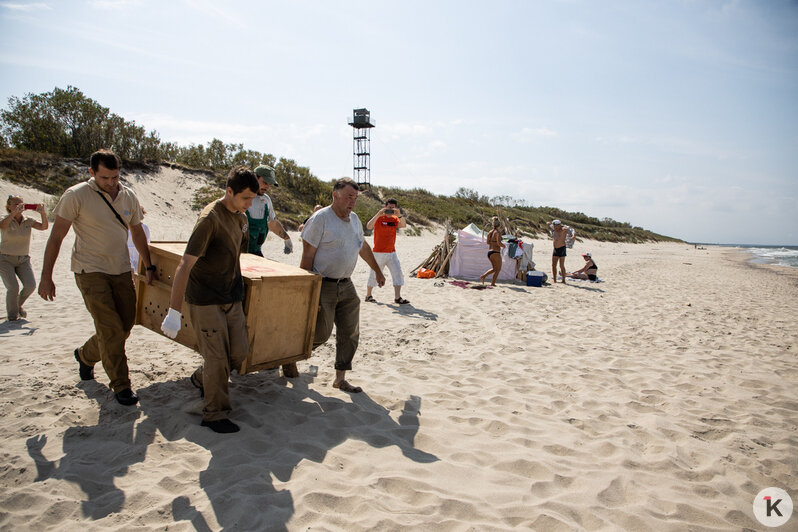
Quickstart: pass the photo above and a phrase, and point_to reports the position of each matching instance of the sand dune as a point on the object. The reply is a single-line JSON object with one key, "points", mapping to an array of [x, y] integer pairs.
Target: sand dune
{"points": [[664, 398]]}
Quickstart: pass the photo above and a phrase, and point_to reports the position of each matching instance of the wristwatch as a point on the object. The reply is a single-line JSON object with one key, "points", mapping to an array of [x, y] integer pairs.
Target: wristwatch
{"points": [[151, 268]]}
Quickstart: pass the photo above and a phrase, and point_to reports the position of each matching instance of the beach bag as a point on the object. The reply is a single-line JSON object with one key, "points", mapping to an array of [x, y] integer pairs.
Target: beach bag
{"points": [[424, 273]]}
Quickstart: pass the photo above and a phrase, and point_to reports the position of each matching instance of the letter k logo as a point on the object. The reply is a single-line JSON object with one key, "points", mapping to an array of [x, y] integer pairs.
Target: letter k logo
{"points": [[772, 506]]}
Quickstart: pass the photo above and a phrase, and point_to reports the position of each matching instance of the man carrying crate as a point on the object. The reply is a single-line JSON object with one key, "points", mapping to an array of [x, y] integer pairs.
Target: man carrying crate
{"points": [[209, 276], [101, 211], [332, 240]]}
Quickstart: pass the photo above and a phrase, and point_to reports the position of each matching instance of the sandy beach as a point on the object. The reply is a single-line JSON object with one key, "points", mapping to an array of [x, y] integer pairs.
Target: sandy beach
{"points": [[663, 398]]}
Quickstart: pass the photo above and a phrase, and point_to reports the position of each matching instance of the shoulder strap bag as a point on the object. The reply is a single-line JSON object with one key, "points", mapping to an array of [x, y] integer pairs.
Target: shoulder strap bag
{"points": [[121, 221]]}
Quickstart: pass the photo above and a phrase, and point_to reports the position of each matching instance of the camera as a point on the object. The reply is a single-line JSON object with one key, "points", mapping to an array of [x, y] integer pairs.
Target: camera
{"points": [[30, 206], [389, 211]]}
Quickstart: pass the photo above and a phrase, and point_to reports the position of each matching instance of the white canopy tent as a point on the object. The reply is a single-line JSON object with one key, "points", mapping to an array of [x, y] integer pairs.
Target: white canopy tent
{"points": [[470, 257]]}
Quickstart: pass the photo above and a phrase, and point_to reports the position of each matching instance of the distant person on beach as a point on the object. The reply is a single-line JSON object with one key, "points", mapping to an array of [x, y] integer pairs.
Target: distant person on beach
{"points": [[15, 231], [316, 208], [495, 246], [261, 216], [209, 276], [386, 224], [588, 271], [332, 240], [101, 210], [559, 233]]}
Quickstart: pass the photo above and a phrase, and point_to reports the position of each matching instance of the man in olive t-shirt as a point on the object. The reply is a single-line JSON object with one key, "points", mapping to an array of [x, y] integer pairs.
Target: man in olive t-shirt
{"points": [[209, 275]]}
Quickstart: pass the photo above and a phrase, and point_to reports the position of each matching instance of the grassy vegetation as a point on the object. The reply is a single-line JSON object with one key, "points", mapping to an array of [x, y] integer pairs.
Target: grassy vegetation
{"points": [[43, 171], [299, 191], [205, 195]]}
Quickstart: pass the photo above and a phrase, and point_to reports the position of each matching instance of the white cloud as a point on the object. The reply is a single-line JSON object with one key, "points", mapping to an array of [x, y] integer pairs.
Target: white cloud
{"points": [[217, 11], [398, 130], [34, 6], [529, 134], [619, 139], [185, 131], [114, 4], [677, 146]]}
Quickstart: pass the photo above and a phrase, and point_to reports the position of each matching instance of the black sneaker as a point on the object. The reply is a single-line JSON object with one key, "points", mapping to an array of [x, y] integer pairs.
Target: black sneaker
{"points": [[222, 426], [127, 397], [86, 371]]}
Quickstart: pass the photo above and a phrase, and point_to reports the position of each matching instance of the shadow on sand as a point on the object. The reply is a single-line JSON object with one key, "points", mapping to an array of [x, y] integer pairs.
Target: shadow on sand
{"points": [[22, 325], [282, 423], [95, 455]]}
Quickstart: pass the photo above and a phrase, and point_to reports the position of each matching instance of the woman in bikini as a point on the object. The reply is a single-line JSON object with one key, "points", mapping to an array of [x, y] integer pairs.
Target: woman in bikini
{"points": [[588, 271], [495, 254]]}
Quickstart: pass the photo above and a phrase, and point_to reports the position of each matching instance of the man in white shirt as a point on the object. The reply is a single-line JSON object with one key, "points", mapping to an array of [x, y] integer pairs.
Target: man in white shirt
{"points": [[332, 240]]}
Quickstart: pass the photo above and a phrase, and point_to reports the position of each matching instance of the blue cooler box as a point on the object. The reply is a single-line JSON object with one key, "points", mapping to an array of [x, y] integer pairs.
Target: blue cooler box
{"points": [[534, 278]]}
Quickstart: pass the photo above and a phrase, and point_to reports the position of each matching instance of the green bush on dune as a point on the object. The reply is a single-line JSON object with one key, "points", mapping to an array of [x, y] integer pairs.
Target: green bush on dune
{"points": [[46, 140]]}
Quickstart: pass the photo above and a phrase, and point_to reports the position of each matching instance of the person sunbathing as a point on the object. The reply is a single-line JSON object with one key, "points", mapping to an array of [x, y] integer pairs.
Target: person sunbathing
{"points": [[588, 271]]}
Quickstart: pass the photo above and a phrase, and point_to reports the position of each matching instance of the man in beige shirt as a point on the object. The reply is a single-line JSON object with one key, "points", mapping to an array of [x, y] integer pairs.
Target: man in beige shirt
{"points": [[101, 210]]}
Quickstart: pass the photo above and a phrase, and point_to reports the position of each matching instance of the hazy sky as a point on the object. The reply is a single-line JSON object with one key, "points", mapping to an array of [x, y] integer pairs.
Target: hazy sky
{"points": [[677, 116]]}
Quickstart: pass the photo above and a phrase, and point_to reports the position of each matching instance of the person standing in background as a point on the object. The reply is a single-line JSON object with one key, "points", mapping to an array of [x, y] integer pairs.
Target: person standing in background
{"points": [[495, 246], [386, 223], [261, 216], [15, 231], [559, 232]]}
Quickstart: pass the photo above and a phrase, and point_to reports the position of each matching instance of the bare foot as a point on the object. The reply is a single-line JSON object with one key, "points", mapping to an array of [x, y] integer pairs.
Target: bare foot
{"points": [[346, 387]]}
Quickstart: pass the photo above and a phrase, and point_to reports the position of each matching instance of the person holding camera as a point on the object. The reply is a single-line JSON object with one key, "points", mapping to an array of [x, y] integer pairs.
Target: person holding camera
{"points": [[385, 224], [15, 230]]}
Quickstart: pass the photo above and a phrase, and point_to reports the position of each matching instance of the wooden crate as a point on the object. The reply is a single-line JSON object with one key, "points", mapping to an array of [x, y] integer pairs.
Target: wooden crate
{"points": [[281, 303]]}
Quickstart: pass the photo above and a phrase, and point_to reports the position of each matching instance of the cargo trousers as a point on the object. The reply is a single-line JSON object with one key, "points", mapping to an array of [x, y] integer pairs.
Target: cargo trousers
{"points": [[223, 342], [11, 267], [111, 301], [339, 305]]}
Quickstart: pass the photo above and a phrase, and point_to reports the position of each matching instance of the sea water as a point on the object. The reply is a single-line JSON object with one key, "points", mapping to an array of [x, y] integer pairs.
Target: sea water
{"points": [[777, 255]]}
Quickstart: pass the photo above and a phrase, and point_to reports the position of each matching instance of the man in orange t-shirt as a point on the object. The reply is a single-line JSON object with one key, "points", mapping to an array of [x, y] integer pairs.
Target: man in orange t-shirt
{"points": [[385, 224]]}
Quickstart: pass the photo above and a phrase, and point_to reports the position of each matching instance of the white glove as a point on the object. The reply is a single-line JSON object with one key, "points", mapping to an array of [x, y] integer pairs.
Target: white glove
{"points": [[289, 246], [171, 323]]}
